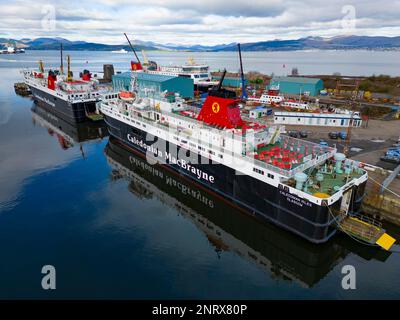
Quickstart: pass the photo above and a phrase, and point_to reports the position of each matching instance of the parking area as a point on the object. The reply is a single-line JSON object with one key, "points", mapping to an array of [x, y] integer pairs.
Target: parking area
{"points": [[367, 144]]}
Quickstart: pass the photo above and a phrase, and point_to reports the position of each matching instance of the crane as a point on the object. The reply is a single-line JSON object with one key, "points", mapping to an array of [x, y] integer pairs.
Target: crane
{"points": [[61, 58], [145, 60], [130, 44], [41, 66], [244, 93]]}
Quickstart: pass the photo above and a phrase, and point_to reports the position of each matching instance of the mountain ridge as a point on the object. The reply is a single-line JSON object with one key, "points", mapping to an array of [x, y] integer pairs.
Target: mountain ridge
{"points": [[337, 42]]}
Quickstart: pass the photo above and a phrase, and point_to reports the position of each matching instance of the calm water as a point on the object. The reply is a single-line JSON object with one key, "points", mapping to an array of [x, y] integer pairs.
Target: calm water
{"points": [[115, 227]]}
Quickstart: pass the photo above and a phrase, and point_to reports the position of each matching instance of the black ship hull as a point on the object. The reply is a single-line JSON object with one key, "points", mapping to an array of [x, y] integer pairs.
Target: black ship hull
{"points": [[79, 132], [308, 220], [71, 112]]}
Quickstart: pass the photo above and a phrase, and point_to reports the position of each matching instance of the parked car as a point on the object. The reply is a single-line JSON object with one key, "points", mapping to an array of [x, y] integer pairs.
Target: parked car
{"points": [[343, 135], [294, 133], [323, 143], [303, 134], [333, 135]]}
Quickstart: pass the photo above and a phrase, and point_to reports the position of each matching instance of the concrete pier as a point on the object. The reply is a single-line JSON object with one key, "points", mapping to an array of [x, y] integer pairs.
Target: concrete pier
{"points": [[384, 205]]}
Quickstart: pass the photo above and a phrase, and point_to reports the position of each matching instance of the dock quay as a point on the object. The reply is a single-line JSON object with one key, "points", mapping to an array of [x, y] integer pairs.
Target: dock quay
{"points": [[382, 200]]}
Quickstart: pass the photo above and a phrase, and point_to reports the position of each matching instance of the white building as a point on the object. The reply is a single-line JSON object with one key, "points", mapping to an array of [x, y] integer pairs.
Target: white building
{"points": [[259, 112], [318, 119]]}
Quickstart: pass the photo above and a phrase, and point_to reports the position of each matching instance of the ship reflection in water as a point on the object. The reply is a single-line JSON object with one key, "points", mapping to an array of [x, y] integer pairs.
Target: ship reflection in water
{"points": [[66, 133], [230, 228]]}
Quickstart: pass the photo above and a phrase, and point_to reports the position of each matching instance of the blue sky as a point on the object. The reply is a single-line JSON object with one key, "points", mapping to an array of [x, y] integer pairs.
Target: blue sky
{"points": [[204, 22]]}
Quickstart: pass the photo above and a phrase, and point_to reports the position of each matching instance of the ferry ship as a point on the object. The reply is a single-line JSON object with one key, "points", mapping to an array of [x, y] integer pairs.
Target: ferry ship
{"points": [[72, 99], [298, 185], [272, 97], [199, 73]]}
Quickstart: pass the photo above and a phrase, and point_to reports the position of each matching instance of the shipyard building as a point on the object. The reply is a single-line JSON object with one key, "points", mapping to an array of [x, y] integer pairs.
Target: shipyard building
{"points": [[298, 85], [233, 82], [159, 83]]}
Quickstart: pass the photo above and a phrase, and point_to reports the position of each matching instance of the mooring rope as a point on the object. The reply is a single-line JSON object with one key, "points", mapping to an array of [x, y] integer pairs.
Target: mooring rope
{"points": [[384, 187]]}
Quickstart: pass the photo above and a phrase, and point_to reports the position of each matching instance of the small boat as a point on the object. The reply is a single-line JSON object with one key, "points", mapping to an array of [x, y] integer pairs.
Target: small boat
{"points": [[120, 51]]}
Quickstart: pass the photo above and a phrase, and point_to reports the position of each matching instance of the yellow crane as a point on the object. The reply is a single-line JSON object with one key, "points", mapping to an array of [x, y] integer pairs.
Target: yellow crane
{"points": [[145, 60], [41, 66]]}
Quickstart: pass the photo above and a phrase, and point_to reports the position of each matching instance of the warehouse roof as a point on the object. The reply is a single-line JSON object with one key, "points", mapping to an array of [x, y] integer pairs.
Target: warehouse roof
{"points": [[296, 80], [147, 76]]}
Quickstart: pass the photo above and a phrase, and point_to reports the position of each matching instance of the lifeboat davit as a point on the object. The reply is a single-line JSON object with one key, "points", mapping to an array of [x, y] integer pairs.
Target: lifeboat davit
{"points": [[127, 96]]}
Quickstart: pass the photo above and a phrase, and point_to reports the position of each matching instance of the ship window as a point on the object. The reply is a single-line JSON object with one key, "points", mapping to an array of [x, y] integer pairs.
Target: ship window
{"points": [[221, 156], [270, 176], [258, 171]]}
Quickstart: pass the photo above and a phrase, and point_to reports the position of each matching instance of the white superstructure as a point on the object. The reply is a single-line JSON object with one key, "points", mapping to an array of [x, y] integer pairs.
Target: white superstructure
{"points": [[318, 119], [200, 73], [69, 91], [271, 99]]}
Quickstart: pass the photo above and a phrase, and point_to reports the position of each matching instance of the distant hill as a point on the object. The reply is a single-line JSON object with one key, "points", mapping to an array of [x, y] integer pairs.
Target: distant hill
{"points": [[339, 43], [54, 44], [344, 42]]}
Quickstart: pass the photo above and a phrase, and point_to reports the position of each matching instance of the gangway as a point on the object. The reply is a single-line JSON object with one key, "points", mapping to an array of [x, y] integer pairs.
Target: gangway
{"points": [[366, 229]]}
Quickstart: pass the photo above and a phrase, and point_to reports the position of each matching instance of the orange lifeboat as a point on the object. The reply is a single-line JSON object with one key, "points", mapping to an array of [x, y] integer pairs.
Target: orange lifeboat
{"points": [[125, 95]]}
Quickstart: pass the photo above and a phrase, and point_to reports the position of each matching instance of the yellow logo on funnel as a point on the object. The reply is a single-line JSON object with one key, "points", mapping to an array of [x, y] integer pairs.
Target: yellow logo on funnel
{"points": [[215, 107]]}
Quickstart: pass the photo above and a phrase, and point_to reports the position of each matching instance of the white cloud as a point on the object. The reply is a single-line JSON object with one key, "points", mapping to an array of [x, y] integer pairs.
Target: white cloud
{"points": [[192, 22]]}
